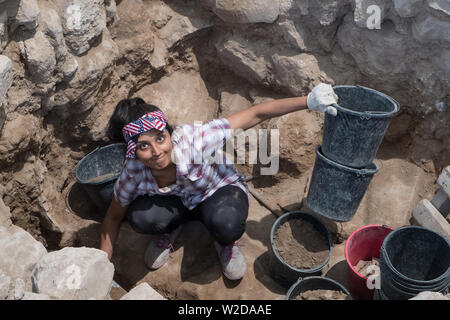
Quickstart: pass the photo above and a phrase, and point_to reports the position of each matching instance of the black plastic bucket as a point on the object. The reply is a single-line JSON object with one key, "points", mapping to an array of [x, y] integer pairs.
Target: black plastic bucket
{"points": [[97, 172], [336, 191], [315, 283], [352, 138], [281, 271], [413, 259]]}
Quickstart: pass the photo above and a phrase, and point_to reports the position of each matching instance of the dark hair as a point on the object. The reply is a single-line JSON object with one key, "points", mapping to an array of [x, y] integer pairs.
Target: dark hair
{"points": [[126, 111]]}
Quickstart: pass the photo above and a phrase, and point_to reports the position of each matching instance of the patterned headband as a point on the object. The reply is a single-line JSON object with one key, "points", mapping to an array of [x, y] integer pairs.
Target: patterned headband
{"points": [[153, 120]]}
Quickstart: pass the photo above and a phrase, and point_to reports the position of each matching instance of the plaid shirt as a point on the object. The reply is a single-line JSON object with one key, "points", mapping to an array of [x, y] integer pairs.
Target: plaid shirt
{"points": [[201, 166]]}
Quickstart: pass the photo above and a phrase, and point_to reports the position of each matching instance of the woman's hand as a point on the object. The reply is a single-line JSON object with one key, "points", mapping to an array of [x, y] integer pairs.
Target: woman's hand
{"points": [[321, 98]]}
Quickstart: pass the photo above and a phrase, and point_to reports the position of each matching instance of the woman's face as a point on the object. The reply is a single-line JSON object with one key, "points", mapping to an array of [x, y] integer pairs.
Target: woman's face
{"points": [[154, 149]]}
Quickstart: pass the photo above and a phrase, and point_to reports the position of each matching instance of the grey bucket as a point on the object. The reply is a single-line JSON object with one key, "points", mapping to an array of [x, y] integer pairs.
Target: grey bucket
{"points": [[352, 138], [413, 259], [336, 191], [314, 283], [98, 171], [281, 271]]}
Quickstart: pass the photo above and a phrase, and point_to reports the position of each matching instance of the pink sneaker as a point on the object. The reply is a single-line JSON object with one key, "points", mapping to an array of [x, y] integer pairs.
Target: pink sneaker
{"points": [[158, 251], [232, 260]]}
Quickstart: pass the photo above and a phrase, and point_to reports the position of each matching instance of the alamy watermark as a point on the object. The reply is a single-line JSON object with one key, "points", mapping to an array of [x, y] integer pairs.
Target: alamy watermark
{"points": [[206, 148], [374, 19]]}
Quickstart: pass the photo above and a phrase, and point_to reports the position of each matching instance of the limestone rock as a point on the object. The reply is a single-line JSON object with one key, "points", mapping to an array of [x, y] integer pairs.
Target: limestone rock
{"points": [[19, 135], [231, 103], [440, 5], [181, 24], [431, 29], [74, 273], [5, 282], [40, 58], [52, 27], [251, 11], [91, 69], [111, 10], [5, 215], [182, 96], [35, 296], [19, 289], [408, 8], [23, 13], [326, 12], [297, 74], [243, 58], [83, 22], [429, 295], [3, 30], [376, 53], [19, 253], [143, 292], [6, 76]]}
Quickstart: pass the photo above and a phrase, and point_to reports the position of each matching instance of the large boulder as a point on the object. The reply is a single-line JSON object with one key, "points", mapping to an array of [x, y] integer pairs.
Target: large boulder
{"points": [[3, 30], [246, 59], [22, 13], [6, 76], [183, 96], [83, 23], [429, 29], [297, 74], [251, 11], [19, 253], [74, 273], [40, 58], [408, 8]]}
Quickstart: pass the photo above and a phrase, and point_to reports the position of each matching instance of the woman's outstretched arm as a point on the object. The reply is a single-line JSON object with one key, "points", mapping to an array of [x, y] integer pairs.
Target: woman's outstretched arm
{"points": [[320, 98]]}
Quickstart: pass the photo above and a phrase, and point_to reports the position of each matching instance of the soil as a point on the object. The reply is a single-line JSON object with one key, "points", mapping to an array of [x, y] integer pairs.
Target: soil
{"points": [[321, 295], [300, 245]]}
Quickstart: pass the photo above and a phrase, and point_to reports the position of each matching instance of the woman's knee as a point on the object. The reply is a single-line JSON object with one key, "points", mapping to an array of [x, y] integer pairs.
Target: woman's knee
{"points": [[147, 215], [142, 223], [227, 226]]}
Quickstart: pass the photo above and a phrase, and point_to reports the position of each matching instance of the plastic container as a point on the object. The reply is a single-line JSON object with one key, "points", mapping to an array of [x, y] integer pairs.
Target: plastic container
{"points": [[336, 191], [352, 138], [363, 244], [315, 283], [281, 271], [98, 171], [413, 259]]}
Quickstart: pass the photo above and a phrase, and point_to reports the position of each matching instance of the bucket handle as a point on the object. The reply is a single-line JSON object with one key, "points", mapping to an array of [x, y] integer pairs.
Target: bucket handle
{"points": [[364, 172]]}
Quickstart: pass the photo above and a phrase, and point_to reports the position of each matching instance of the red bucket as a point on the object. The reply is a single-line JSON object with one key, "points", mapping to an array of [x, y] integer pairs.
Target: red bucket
{"points": [[363, 244]]}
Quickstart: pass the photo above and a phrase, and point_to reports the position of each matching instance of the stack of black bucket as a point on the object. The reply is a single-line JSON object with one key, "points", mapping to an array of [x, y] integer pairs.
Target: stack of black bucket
{"points": [[344, 163], [412, 259]]}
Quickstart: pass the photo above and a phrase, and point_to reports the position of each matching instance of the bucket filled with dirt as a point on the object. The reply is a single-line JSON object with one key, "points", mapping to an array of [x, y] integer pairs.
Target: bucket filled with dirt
{"points": [[98, 171], [301, 246], [317, 288]]}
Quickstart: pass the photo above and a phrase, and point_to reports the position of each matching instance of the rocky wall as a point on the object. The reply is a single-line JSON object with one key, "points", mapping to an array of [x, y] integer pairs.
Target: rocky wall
{"points": [[65, 64]]}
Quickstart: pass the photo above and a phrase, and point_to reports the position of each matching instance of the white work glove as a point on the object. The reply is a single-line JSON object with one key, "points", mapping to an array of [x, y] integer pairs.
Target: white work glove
{"points": [[321, 98]]}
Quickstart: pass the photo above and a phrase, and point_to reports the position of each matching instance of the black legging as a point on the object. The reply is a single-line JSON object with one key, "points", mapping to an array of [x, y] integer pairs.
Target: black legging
{"points": [[224, 214]]}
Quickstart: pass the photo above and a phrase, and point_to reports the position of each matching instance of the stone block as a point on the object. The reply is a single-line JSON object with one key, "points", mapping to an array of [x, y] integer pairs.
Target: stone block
{"points": [[74, 274], [441, 202], [426, 215], [444, 180], [143, 292]]}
